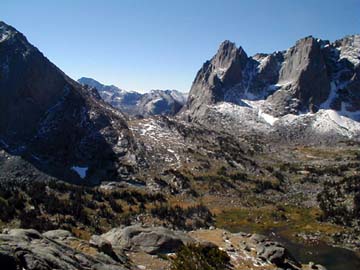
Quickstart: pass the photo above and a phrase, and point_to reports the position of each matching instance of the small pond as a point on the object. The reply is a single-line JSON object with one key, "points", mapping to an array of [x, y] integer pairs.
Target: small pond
{"points": [[333, 258]]}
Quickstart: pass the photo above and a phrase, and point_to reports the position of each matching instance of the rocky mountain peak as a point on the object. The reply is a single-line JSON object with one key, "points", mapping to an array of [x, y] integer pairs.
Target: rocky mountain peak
{"points": [[99, 86], [6, 31], [10, 37], [312, 76], [304, 77], [41, 106], [227, 54], [349, 49], [223, 71], [155, 102]]}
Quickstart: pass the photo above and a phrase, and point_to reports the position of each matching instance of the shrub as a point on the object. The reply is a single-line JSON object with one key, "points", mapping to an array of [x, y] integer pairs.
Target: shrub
{"points": [[115, 206], [6, 211], [199, 257]]}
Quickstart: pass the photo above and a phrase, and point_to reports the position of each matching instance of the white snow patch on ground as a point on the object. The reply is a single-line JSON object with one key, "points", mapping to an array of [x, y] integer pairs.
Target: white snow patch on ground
{"points": [[255, 104], [240, 111], [36, 157], [81, 171], [151, 105], [332, 95], [4, 35], [342, 121], [289, 118], [4, 143], [220, 72], [353, 115], [263, 62], [178, 96], [148, 127], [268, 118], [327, 121], [324, 121], [352, 52], [165, 143], [107, 93]]}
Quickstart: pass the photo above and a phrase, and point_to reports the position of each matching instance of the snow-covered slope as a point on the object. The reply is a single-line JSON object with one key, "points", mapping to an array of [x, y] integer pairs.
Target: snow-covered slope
{"points": [[315, 83], [249, 119], [156, 102]]}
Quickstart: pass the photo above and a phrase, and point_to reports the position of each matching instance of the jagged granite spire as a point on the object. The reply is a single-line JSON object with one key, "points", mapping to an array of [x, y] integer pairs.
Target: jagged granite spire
{"points": [[313, 74], [215, 76], [304, 77]]}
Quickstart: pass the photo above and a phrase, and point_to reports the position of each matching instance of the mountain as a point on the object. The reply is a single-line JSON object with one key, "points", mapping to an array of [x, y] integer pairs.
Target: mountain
{"points": [[248, 158], [53, 122], [314, 81], [161, 102], [156, 102]]}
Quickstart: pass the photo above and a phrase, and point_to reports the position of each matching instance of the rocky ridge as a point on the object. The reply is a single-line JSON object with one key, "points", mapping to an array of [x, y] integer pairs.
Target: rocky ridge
{"points": [[155, 102], [277, 93], [28, 249], [225, 155], [41, 106]]}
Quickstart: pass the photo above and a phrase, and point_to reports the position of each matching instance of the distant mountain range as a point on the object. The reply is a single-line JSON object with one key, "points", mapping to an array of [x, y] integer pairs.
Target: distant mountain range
{"points": [[309, 93], [156, 102], [311, 89], [263, 142]]}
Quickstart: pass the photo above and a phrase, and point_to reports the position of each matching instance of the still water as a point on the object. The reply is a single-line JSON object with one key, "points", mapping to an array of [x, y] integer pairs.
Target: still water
{"points": [[333, 258]]}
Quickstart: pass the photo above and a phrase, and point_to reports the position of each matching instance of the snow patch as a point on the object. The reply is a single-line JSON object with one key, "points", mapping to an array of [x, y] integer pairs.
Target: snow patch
{"points": [[4, 35], [179, 97], [220, 72], [353, 115], [351, 52], [330, 121], [268, 118], [4, 143], [325, 121], [332, 95], [263, 62], [81, 171]]}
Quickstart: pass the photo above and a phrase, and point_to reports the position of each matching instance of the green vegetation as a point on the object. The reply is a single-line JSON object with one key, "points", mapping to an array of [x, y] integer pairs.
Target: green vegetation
{"points": [[198, 257], [289, 219], [188, 218], [340, 201], [85, 210], [45, 206]]}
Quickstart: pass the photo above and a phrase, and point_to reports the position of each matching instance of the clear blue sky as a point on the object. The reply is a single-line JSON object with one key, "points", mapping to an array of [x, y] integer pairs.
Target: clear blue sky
{"points": [[161, 44]]}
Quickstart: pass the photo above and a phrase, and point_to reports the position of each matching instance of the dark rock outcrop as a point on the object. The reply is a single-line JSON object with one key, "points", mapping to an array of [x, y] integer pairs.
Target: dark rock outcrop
{"points": [[215, 78], [28, 249], [304, 78], [54, 122], [273, 252]]}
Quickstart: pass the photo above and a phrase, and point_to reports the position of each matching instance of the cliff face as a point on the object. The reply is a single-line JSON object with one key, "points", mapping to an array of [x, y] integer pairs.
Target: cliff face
{"points": [[53, 121], [216, 76], [303, 77], [312, 75]]}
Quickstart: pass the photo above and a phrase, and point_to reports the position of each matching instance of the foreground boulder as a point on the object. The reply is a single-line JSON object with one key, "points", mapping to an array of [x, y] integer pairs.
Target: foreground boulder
{"points": [[58, 234], [150, 240], [59, 249], [252, 251], [28, 249], [273, 252]]}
